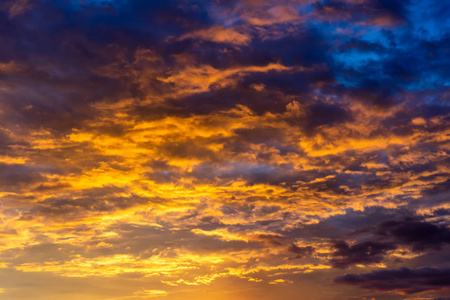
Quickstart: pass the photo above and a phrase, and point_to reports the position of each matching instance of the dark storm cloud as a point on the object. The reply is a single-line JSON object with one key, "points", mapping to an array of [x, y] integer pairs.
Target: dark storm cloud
{"points": [[349, 224], [326, 114], [404, 280], [301, 251], [371, 235], [293, 53], [60, 80], [361, 253], [227, 98], [91, 35], [420, 235]]}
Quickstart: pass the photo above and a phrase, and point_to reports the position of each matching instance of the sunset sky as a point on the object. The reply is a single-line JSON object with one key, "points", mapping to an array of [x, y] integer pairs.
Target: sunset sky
{"points": [[224, 149]]}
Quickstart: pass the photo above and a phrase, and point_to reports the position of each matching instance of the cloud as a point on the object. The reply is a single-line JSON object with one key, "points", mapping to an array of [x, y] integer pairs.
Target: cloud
{"points": [[420, 235], [150, 293], [219, 35], [374, 13], [192, 146], [403, 281], [19, 7], [361, 253], [201, 79], [275, 14]]}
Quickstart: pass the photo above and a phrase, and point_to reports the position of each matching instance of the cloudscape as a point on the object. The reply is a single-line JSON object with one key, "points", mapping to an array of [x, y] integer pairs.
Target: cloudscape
{"points": [[224, 149]]}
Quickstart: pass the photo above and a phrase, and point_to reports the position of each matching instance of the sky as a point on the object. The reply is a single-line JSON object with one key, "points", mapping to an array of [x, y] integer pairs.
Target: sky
{"points": [[224, 149]]}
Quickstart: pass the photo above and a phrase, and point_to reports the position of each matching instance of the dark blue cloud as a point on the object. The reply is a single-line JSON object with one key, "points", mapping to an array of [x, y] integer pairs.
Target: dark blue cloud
{"points": [[405, 280]]}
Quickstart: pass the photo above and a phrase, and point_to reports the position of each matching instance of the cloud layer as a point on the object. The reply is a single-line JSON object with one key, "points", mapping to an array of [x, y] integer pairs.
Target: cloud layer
{"points": [[224, 149]]}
